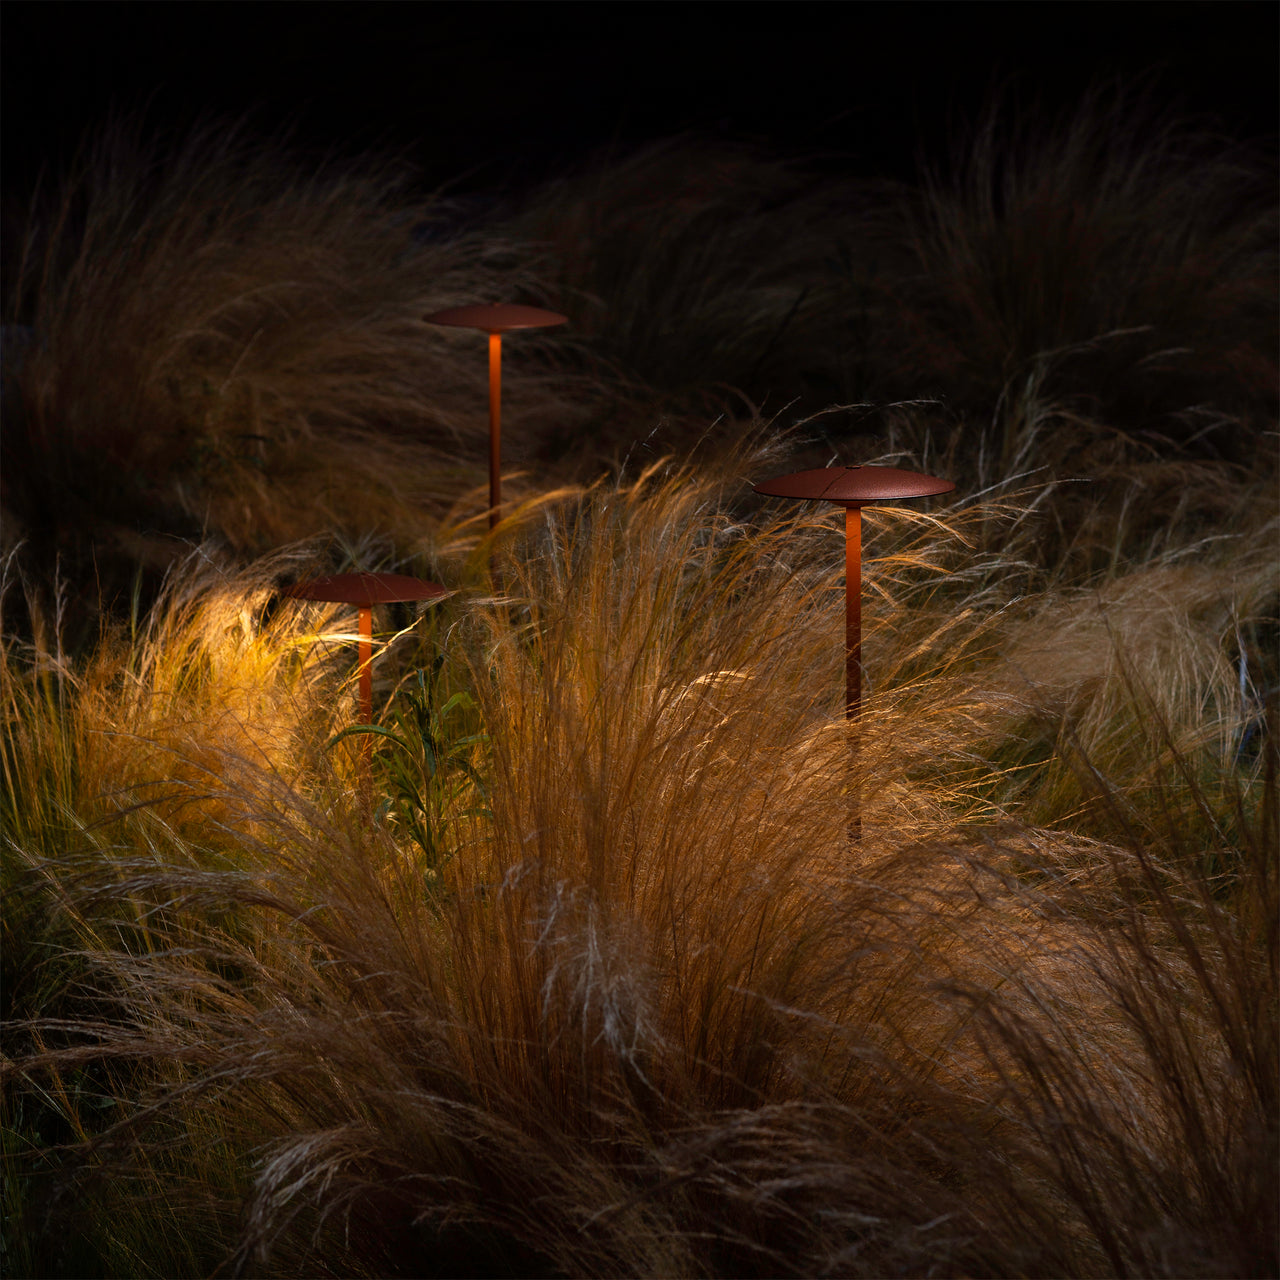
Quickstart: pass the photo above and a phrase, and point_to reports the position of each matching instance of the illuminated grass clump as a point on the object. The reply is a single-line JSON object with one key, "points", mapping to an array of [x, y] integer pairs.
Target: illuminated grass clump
{"points": [[650, 1011]]}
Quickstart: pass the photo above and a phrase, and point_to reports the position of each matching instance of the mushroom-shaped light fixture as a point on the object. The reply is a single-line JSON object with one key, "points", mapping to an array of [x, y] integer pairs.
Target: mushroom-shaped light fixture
{"points": [[852, 488], [495, 318], [365, 590]]}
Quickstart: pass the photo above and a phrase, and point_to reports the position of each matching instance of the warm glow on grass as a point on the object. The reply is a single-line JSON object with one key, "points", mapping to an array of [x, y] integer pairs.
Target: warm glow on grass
{"points": [[630, 940]]}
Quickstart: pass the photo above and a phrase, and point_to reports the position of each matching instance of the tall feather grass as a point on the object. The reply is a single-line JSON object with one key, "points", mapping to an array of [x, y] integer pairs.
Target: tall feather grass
{"points": [[221, 343], [599, 983], [656, 1013], [208, 338], [1038, 242], [1119, 260]]}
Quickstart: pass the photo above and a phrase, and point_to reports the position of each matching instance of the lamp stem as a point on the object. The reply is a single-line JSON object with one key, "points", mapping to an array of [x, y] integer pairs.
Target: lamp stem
{"points": [[852, 612], [495, 426], [853, 654], [366, 664], [366, 704]]}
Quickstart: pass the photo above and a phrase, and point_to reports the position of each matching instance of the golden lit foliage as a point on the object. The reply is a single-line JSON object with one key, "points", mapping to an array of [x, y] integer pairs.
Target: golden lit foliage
{"points": [[654, 1011]]}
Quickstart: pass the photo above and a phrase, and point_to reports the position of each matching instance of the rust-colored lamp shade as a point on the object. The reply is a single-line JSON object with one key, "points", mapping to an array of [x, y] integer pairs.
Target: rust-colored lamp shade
{"points": [[365, 590], [495, 319], [851, 488]]}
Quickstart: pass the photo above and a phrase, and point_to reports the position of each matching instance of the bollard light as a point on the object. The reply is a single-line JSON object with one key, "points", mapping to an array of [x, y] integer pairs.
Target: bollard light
{"points": [[852, 488], [364, 590], [495, 319]]}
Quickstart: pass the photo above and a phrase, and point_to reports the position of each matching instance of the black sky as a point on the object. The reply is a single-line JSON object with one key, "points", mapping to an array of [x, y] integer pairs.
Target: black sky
{"points": [[490, 93]]}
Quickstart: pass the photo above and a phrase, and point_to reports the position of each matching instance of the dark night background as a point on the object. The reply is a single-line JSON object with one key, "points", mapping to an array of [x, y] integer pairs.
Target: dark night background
{"points": [[484, 95]]}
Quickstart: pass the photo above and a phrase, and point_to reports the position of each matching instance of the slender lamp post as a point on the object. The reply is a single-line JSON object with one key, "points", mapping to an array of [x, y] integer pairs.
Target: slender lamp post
{"points": [[852, 488], [495, 318], [365, 590]]}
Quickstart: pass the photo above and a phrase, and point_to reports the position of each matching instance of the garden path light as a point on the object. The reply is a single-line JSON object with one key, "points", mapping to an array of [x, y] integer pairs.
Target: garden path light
{"points": [[365, 590], [495, 318], [852, 487]]}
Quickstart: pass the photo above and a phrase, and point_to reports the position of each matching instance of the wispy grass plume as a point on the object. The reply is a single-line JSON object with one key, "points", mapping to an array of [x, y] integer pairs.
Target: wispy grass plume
{"points": [[655, 1012]]}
